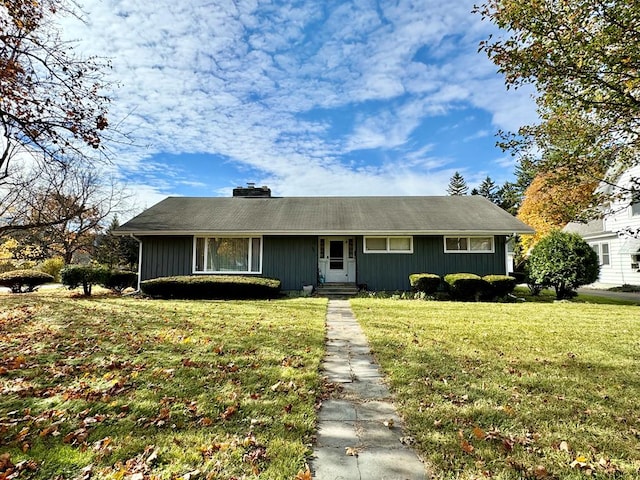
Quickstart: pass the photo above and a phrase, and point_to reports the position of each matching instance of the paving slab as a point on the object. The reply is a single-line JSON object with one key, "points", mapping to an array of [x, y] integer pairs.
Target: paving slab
{"points": [[359, 429], [390, 464]]}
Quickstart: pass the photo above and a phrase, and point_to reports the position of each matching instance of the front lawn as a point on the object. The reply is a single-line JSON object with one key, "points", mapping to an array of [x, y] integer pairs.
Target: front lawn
{"points": [[123, 388], [513, 391]]}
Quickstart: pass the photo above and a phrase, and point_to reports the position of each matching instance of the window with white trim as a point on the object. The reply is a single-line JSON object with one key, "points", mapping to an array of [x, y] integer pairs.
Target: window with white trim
{"points": [[602, 250], [468, 245], [388, 245], [228, 255]]}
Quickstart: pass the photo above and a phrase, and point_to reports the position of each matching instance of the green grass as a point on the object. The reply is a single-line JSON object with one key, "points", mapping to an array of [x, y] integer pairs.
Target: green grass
{"points": [[161, 388], [513, 391]]}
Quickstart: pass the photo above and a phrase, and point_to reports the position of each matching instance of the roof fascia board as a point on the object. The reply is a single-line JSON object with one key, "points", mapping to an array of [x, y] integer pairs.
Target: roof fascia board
{"points": [[329, 233]]}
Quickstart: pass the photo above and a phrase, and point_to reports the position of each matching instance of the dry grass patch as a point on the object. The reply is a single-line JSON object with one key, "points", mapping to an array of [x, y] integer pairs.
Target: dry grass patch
{"points": [[514, 391]]}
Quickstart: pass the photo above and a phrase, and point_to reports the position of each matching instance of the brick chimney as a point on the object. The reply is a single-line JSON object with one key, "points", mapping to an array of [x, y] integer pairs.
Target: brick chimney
{"points": [[252, 191]]}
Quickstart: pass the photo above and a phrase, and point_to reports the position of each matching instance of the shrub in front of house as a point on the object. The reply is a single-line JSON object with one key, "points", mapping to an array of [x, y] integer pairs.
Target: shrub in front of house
{"points": [[22, 281], [500, 285], [563, 261], [466, 286], [119, 280], [427, 283], [74, 276], [219, 287]]}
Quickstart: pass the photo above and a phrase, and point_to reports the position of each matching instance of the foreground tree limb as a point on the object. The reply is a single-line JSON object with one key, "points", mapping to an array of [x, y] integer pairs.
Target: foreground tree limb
{"points": [[583, 57]]}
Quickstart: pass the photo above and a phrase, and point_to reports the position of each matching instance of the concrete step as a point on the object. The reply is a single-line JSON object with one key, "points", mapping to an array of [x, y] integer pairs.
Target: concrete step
{"points": [[337, 290]]}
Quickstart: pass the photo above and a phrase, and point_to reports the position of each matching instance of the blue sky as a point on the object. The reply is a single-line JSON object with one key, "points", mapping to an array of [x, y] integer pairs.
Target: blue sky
{"points": [[308, 97]]}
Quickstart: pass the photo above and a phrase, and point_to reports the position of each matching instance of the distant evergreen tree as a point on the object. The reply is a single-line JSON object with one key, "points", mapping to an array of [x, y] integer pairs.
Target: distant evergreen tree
{"points": [[475, 191], [116, 251], [509, 197], [457, 185], [489, 190]]}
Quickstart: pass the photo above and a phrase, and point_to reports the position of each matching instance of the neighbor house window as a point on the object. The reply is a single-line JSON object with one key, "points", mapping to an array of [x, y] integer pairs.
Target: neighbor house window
{"points": [[468, 245], [228, 254], [602, 250], [388, 244], [635, 209]]}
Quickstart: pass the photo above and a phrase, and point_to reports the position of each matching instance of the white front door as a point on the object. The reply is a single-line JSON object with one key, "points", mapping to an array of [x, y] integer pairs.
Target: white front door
{"points": [[336, 259]]}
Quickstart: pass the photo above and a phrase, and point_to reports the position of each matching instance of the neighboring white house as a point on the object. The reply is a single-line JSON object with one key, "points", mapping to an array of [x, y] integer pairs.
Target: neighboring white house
{"points": [[618, 252]]}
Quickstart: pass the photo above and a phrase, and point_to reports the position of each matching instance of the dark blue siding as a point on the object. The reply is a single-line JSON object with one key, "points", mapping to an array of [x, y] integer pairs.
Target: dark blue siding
{"points": [[390, 271], [166, 256], [293, 260]]}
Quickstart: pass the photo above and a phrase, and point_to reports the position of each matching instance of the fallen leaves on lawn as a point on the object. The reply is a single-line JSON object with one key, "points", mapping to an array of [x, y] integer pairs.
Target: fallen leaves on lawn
{"points": [[138, 467], [589, 467], [9, 471], [229, 412], [507, 442], [294, 361]]}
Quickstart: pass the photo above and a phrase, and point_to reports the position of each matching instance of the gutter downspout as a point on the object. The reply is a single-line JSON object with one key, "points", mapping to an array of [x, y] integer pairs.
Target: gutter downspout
{"points": [[139, 260]]}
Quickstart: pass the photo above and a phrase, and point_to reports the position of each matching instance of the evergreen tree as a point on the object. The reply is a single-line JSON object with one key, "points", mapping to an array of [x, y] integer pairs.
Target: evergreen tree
{"points": [[116, 251], [510, 197], [489, 190], [457, 185]]}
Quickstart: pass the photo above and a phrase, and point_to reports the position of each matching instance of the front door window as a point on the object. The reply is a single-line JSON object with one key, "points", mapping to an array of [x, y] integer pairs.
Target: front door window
{"points": [[336, 255]]}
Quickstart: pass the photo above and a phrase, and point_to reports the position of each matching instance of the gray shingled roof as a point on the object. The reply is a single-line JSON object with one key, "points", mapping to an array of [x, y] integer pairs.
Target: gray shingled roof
{"points": [[594, 227], [324, 215]]}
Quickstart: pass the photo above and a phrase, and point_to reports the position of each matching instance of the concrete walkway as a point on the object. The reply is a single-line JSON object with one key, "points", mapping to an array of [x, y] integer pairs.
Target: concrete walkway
{"points": [[359, 430], [599, 292]]}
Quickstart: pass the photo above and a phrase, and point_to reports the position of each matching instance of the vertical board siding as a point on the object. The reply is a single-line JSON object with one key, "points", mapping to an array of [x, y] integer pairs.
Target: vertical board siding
{"points": [[166, 256], [292, 260], [390, 271]]}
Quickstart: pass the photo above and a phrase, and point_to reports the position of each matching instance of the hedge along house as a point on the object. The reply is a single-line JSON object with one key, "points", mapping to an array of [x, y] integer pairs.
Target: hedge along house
{"points": [[372, 241]]}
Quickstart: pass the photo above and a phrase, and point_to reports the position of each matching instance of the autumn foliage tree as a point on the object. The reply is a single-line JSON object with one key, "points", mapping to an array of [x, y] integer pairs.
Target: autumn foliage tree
{"points": [[52, 111], [583, 57], [552, 201], [72, 217]]}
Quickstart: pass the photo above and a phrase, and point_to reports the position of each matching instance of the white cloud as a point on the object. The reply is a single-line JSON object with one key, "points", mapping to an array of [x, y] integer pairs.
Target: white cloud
{"points": [[239, 80]]}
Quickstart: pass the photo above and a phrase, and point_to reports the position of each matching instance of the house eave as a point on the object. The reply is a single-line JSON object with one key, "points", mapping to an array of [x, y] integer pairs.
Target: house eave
{"points": [[599, 236], [328, 233]]}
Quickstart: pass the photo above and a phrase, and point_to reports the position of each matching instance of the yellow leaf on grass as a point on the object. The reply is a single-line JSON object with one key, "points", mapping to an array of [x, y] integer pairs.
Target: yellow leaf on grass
{"points": [[479, 433], [303, 475]]}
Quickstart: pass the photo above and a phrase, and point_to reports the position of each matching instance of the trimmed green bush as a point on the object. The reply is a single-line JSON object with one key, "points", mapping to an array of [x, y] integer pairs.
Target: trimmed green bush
{"points": [[466, 286], [427, 283], [118, 280], [21, 281], [563, 261], [211, 287], [501, 285], [74, 276]]}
